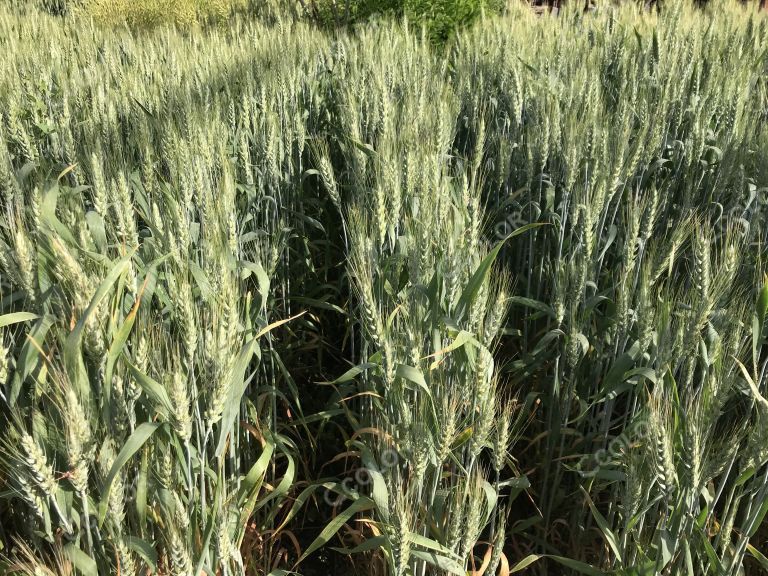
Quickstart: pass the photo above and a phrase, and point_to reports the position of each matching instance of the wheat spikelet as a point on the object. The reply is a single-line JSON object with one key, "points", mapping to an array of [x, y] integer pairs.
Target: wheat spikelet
{"points": [[421, 450], [32, 495], [188, 322], [116, 497], [662, 452], [37, 465], [498, 543], [495, 317], [475, 509], [398, 534], [125, 557], [701, 268], [181, 418], [24, 256], [79, 438], [224, 546], [123, 209], [180, 560], [501, 438], [448, 427], [5, 360]]}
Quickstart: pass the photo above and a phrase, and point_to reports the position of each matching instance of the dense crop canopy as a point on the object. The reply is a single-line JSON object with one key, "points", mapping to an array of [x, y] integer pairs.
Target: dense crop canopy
{"points": [[277, 298]]}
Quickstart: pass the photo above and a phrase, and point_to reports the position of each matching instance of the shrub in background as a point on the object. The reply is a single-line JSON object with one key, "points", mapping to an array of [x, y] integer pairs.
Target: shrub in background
{"points": [[440, 17], [147, 13]]}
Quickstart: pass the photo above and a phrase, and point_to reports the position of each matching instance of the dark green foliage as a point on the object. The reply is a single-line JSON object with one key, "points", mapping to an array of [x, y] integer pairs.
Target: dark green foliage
{"points": [[441, 18]]}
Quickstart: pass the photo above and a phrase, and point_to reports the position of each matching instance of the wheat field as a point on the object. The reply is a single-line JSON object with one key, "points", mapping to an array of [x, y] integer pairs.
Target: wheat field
{"points": [[277, 299]]}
